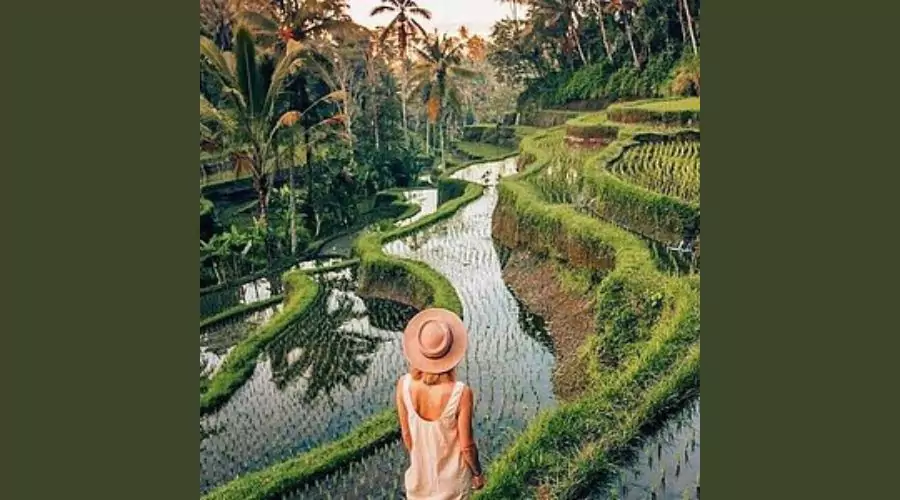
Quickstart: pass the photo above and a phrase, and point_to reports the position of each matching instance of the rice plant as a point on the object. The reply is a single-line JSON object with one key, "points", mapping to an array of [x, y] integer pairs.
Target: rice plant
{"points": [[670, 167]]}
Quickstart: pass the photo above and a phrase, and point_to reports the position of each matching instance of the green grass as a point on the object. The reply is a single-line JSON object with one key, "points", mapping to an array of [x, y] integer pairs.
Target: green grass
{"points": [[686, 103], [240, 363], [677, 112], [239, 310], [285, 476]]}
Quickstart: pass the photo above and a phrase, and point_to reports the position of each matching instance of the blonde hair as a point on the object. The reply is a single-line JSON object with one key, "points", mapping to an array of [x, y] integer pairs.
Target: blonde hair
{"points": [[433, 378]]}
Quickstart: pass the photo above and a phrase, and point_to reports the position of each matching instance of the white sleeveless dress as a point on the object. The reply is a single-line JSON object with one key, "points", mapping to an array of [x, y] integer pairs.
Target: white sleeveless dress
{"points": [[437, 470]]}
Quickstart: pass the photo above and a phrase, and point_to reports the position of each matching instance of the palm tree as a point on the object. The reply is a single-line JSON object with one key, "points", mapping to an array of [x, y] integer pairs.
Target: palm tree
{"points": [[561, 13], [405, 28], [304, 21], [624, 10], [601, 6], [690, 24], [437, 75], [253, 114]]}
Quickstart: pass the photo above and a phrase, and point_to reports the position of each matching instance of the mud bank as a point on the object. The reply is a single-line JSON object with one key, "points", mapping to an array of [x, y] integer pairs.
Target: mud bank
{"points": [[569, 316]]}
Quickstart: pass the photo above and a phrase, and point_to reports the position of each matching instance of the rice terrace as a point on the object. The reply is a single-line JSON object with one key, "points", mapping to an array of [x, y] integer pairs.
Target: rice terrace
{"points": [[539, 177]]}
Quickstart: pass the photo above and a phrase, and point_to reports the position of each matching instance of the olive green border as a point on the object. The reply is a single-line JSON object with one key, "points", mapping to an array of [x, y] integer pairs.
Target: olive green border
{"points": [[99, 127], [100, 260]]}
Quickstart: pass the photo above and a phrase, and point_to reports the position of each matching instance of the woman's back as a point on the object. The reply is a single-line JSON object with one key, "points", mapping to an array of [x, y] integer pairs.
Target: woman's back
{"points": [[437, 469]]}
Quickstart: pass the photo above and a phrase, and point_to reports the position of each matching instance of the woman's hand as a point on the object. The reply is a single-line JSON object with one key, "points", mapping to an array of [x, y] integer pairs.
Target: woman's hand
{"points": [[477, 482]]}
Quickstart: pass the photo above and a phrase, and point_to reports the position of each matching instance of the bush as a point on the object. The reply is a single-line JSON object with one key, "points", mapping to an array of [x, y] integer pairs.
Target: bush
{"points": [[686, 76]]}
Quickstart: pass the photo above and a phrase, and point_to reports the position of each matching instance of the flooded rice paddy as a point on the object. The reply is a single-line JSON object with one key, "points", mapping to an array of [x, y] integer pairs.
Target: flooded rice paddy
{"points": [[509, 362], [334, 369], [666, 466]]}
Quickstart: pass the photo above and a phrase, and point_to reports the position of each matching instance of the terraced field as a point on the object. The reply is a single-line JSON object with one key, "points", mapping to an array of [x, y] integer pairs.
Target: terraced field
{"points": [[671, 168]]}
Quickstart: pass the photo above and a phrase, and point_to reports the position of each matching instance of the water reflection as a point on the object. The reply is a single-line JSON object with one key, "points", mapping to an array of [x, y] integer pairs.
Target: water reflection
{"points": [[212, 303], [317, 381], [325, 354], [427, 199], [217, 340], [389, 315]]}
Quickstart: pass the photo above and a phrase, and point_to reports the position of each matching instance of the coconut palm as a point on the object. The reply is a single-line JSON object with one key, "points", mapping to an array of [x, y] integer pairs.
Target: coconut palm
{"points": [[405, 28], [309, 22], [564, 14], [437, 76], [253, 114], [624, 11]]}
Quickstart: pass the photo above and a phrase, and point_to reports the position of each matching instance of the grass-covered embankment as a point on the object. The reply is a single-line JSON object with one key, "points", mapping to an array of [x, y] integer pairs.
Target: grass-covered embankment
{"points": [[284, 476], [300, 292], [414, 282], [679, 112], [240, 310], [641, 363]]}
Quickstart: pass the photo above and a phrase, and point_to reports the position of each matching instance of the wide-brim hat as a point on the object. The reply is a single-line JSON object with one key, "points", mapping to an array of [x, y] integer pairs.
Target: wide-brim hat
{"points": [[435, 340]]}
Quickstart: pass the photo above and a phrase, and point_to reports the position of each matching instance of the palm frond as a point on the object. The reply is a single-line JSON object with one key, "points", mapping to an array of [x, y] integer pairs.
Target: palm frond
{"points": [[419, 11], [257, 22], [381, 9], [418, 27], [217, 62], [286, 65], [248, 74]]}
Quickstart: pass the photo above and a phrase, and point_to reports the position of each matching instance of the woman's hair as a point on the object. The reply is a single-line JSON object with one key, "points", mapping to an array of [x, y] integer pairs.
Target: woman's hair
{"points": [[432, 378]]}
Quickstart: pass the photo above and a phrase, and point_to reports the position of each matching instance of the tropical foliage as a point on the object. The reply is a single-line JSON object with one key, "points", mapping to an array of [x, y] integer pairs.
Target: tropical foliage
{"points": [[578, 50]]}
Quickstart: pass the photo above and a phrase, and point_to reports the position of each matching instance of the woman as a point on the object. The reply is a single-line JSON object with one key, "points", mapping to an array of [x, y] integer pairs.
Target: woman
{"points": [[436, 410]]}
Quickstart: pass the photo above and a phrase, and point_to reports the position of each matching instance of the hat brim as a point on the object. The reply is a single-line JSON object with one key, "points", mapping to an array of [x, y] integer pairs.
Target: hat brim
{"points": [[457, 349]]}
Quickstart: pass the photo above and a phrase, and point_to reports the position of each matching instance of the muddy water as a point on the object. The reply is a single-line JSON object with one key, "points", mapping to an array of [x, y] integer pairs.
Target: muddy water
{"points": [[509, 361]]}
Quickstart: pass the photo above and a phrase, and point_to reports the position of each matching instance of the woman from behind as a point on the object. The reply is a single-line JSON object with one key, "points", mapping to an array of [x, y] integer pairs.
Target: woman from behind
{"points": [[435, 410]]}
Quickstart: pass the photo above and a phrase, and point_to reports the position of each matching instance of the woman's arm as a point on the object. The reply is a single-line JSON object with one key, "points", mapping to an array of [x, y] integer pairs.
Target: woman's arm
{"points": [[402, 415], [467, 436]]}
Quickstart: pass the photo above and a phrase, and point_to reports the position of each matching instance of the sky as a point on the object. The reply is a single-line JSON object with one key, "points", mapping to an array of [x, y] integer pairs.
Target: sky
{"points": [[446, 15]]}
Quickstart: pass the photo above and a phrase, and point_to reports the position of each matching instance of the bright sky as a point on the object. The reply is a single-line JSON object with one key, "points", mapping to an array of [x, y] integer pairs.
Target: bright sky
{"points": [[446, 15]]}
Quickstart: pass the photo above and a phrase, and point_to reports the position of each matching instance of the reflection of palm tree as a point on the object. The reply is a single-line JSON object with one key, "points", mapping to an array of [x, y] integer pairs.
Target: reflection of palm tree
{"points": [[322, 352], [389, 315]]}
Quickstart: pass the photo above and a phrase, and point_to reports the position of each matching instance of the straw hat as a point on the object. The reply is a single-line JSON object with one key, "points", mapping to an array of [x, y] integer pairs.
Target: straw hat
{"points": [[435, 341]]}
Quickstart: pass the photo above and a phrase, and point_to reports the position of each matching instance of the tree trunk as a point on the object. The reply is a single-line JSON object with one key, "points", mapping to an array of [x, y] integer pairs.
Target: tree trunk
{"points": [[690, 23], [574, 32], [603, 34], [680, 4], [427, 131], [403, 104], [443, 157], [637, 62], [262, 194], [310, 174], [377, 145], [293, 200]]}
